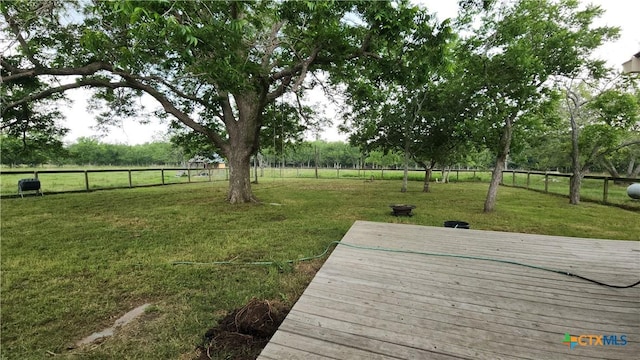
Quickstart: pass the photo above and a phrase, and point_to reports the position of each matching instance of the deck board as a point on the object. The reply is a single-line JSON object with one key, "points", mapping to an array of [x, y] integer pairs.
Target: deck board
{"points": [[372, 304]]}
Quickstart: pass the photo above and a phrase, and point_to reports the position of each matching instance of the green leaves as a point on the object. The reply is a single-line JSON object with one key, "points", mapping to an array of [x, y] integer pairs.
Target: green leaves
{"points": [[617, 109]]}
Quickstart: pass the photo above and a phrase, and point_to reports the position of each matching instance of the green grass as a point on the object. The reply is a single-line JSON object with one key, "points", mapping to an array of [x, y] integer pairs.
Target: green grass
{"points": [[73, 263], [119, 178]]}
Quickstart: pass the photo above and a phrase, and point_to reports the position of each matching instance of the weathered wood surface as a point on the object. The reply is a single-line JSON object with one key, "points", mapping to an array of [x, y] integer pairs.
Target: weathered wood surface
{"points": [[371, 304]]}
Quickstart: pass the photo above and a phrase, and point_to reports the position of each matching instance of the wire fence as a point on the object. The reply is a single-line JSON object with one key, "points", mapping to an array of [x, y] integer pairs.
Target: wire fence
{"points": [[601, 189], [594, 188]]}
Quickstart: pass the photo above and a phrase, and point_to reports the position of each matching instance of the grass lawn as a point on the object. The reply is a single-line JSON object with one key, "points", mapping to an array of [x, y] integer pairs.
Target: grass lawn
{"points": [[73, 263]]}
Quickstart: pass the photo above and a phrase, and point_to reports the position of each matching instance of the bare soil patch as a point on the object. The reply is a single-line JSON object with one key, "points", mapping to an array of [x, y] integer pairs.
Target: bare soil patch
{"points": [[244, 332]]}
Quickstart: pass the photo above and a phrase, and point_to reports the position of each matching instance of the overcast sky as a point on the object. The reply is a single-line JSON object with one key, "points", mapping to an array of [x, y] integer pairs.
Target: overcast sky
{"points": [[621, 13]]}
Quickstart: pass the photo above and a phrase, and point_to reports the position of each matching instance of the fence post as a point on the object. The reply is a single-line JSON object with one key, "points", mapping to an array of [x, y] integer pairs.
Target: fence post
{"points": [[382, 175], [474, 175], [86, 180], [513, 178], [605, 193], [528, 178], [546, 182], [162, 174], [338, 173], [457, 174], [209, 171], [35, 174], [189, 175], [130, 183]]}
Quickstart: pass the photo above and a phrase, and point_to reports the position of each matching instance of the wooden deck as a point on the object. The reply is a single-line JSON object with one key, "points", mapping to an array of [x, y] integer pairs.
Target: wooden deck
{"points": [[368, 304]]}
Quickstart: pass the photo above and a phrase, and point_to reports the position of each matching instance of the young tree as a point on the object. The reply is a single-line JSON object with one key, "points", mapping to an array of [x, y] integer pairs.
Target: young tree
{"points": [[517, 48], [212, 65], [602, 121], [390, 103]]}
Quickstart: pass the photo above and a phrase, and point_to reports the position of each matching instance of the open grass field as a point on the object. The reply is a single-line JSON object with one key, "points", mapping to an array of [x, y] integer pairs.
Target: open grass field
{"points": [[73, 263], [102, 178], [76, 179]]}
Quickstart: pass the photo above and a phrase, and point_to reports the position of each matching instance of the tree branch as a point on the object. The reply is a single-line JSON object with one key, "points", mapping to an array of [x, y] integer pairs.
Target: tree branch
{"points": [[59, 89], [272, 43], [23, 42], [171, 109], [279, 90], [305, 68], [86, 70], [177, 91], [227, 110]]}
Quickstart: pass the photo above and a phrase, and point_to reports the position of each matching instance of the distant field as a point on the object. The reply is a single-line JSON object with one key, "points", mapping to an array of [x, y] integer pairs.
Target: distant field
{"points": [[109, 178], [104, 178], [56, 180]]}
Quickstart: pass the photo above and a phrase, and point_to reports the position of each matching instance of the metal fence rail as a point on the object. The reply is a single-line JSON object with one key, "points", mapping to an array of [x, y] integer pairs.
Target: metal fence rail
{"points": [[596, 188], [602, 189], [68, 181]]}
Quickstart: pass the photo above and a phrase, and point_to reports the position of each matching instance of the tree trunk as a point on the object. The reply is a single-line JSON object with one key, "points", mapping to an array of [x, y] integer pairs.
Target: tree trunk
{"points": [[611, 169], [630, 167], [405, 176], [635, 172], [501, 159], [239, 178], [576, 168], [427, 179], [255, 169], [316, 161], [496, 179], [243, 142], [574, 187]]}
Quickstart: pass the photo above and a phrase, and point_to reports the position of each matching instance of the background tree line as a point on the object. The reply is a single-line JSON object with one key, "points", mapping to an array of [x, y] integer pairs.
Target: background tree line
{"points": [[549, 151], [87, 151]]}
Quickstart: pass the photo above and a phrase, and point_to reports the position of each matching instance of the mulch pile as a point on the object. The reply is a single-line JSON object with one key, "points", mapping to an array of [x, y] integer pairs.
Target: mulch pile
{"points": [[243, 333]]}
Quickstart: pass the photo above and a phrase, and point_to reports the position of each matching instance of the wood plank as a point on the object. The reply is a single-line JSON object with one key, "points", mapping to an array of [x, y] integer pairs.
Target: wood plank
{"points": [[457, 345], [369, 304], [487, 288], [492, 317], [380, 347], [521, 279], [460, 295]]}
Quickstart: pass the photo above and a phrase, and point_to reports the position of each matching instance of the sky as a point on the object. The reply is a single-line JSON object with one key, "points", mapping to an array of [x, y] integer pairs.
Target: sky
{"points": [[621, 13]]}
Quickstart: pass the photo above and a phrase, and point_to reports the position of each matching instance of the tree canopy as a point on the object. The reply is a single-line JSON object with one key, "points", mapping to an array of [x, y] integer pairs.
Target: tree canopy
{"points": [[214, 66], [510, 58]]}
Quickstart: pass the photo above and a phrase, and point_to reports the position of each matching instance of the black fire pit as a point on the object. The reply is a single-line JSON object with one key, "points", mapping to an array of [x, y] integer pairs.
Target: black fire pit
{"points": [[402, 210]]}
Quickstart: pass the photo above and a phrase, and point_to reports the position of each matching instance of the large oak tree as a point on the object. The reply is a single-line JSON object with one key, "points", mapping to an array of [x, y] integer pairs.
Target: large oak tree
{"points": [[213, 66]]}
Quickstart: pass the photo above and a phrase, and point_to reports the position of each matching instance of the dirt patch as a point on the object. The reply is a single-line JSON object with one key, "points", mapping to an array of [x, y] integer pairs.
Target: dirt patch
{"points": [[309, 268], [243, 333]]}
